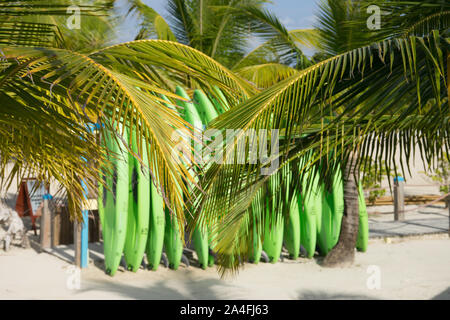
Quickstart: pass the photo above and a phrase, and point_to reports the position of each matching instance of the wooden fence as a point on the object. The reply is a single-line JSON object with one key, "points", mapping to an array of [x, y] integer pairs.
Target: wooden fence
{"points": [[63, 227]]}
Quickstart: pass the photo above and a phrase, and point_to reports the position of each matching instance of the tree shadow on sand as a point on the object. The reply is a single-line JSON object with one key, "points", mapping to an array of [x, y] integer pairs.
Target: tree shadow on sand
{"points": [[323, 295], [444, 295], [192, 289]]}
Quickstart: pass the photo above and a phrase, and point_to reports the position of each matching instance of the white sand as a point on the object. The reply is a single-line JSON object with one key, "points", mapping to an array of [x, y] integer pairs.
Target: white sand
{"points": [[412, 269]]}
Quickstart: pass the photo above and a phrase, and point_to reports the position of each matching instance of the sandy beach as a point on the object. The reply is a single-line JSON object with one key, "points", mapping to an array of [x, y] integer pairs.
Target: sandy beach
{"points": [[412, 268], [408, 269]]}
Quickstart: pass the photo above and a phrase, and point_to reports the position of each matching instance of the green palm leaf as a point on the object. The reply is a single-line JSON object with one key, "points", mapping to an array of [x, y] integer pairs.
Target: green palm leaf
{"points": [[93, 88], [285, 43], [31, 22], [152, 23], [186, 65], [102, 94], [380, 99], [266, 75]]}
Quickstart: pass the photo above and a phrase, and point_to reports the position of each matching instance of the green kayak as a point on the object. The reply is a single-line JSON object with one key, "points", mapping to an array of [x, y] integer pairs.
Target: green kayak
{"points": [[332, 212], [138, 208], [199, 237], [115, 203], [292, 225], [220, 102], [273, 226], [204, 107], [337, 205], [207, 113], [155, 241], [324, 223], [256, 247], [331, 218], [173, 244], [310, 205], [172, 241]]}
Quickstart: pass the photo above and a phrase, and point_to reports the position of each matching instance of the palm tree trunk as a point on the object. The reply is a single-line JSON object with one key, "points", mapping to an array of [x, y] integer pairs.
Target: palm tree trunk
{"points": [[344, 252]]}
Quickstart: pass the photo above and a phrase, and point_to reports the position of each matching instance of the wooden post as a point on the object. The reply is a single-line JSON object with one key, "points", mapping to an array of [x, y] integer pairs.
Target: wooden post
{"points": [[448, 208], [77, 242], [56, 224], [46, 224], [399, 199]]}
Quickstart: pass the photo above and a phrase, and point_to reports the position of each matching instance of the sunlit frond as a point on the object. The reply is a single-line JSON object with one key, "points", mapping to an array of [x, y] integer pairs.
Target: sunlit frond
{"points": [[266, 75], [381, 99], [31, 22], [194, 68], [113, 99]]}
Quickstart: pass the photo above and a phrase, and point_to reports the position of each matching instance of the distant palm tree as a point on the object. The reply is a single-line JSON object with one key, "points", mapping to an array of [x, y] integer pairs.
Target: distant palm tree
{"points": [[225, 31], [221, 29]]}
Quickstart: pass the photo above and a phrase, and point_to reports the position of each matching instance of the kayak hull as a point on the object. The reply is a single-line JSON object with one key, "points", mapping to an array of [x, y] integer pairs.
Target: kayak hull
{"points": [[155, 241], [138, 210], [115, 209]]}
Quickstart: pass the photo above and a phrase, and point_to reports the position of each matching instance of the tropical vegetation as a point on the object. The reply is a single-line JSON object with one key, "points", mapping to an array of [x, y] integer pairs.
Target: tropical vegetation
{"points": [[366, 94]]}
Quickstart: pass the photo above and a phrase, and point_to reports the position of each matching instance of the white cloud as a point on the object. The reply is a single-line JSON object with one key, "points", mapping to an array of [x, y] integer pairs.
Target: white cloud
{"points": [[298, 23], [287, 21]]}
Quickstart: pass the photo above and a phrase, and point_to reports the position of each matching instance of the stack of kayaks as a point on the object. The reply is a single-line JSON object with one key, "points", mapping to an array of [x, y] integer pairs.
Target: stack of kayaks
{"points": [[136, 222], [198, 114], [320, 213]]}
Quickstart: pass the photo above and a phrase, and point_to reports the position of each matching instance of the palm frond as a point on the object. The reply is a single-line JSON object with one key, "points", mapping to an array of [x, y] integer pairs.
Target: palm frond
{"points": [[259, 55], [421, 17], [343, 24], [152, 23], [384, 99], [229, 29], [191, 67], [266, 75], [270, 28], [106, 96], [268, 53], [95, 87], [438, 20], [30, 22], [95, 30], [35, 125], [181, 21]]}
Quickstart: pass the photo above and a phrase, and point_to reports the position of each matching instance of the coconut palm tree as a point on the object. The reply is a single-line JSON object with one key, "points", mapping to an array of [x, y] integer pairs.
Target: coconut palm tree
{"points": [[220, 29], [225, 30], [29, 132], [365, 100], [50, 94]]}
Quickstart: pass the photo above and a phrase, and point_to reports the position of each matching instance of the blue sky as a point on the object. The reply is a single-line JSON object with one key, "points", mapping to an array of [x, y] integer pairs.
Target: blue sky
{"points": [[295, 14]]}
